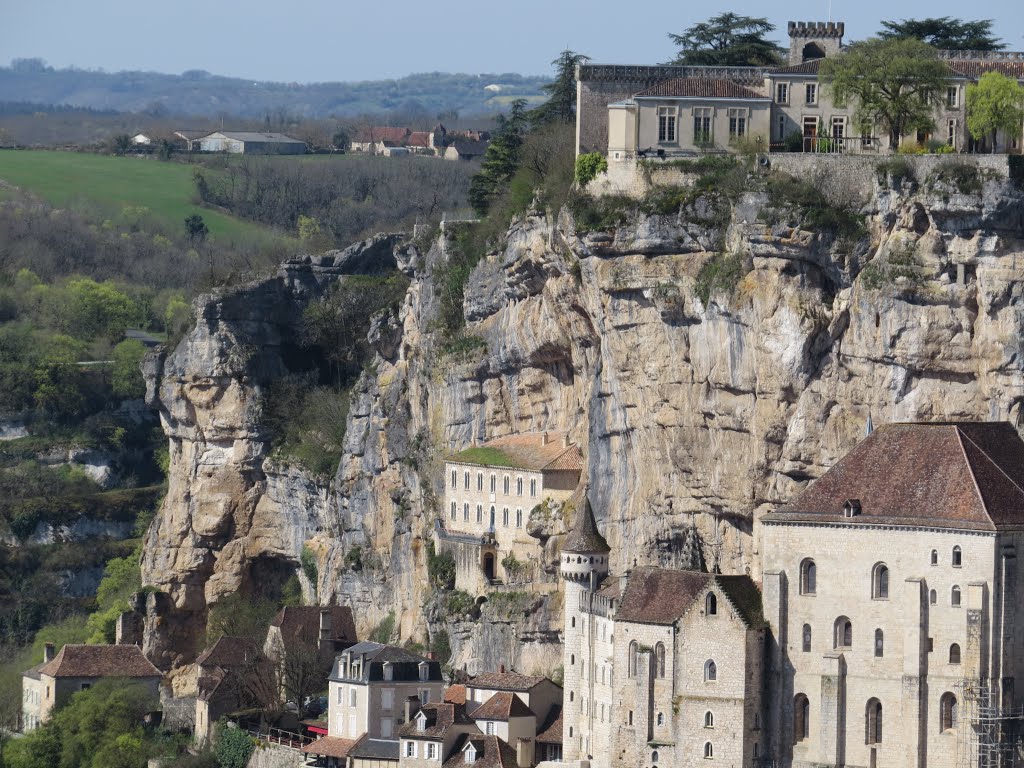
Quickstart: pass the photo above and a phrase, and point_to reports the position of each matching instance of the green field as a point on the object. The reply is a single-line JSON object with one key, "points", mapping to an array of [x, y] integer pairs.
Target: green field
{"points": [[114, 183]]}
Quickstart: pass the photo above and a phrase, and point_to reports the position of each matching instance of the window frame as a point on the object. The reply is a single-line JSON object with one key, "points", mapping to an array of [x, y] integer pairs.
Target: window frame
{"points": [[668, 125], [808, 576]]}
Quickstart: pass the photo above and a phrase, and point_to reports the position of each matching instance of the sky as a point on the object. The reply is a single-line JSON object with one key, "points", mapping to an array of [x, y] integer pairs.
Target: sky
{"points": [[316, 40]]}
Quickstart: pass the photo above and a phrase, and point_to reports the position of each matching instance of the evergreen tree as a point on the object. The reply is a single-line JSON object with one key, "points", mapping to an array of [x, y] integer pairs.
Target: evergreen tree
{"points": [[501, 160], [728, 40], [561, 104], [945, 33]]}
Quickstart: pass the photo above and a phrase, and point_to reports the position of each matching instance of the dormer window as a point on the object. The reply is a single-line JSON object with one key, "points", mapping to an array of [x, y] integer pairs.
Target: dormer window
{"points": [[851, 508], [424, 671], [470, 754], [389, 671], [421, 722]]}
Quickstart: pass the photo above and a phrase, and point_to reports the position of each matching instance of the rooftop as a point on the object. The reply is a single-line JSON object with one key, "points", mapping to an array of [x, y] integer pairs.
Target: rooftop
{"points": [[961, 475], [506, 681], [584, 536], [329, 746], [700, 87], [491, 752], [535, 451], [660, 596], [303, 622], [551, 731], [375, 749], [100, 661], [502, 706], [440, 716], [227, 651]]}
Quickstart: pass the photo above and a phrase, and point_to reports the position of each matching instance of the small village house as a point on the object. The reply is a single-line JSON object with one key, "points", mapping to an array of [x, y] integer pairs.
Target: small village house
{"points": [[250, 143]]}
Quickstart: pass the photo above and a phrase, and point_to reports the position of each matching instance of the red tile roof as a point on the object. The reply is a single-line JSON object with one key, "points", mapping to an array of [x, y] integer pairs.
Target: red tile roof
{"points": [[967, 475], [228, 652], [491, 751], [100, 661], [383, 133], [502, 706], [303, 622], [419, 139], [975, 69], [700, 87], [440, 716], [329, 746], [455, 694], [505, 681], [535, 451]]}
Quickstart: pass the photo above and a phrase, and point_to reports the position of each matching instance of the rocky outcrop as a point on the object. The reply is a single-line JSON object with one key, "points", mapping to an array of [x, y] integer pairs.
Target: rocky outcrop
{"points": [[699, 404]]}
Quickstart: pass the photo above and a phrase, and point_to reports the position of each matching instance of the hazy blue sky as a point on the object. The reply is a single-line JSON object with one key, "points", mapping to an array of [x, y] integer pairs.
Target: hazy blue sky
{"points": [[317, 40]]}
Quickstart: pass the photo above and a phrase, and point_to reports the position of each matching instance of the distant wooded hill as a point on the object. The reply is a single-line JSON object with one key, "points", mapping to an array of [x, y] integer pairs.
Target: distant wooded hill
{"points": [[198, 92]]}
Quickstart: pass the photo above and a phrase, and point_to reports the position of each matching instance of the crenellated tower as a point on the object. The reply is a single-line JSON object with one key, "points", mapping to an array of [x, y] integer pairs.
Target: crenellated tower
{"points": [[584, 565], [809, 40]]}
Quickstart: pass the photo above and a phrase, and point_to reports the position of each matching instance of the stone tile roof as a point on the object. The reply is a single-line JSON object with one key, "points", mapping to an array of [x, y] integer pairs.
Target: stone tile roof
{"points": [[383, 133], [584, 536], [660, 596], [228, 651], [699, 87], [329, 746], [964, 475], [455, 694], [805, 68], [470, 147], [491, 751], [419, 139], [440, 716], [375, 749], [506, 681], [534, 451], [100, 661], [303, 622], [551, 730], [975, 69], [502, 706]]}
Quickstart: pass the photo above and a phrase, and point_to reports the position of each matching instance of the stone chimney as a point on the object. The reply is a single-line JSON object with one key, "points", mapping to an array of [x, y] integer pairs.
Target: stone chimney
{"points": [[412, 706], [49, 651], [325, 624], [544, 439], [565, 440], [501, 668], [430, 656], [524, 753]]}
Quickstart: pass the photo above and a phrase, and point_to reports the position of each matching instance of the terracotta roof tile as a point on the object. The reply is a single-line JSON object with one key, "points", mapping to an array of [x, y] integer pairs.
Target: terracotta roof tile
{"points": [[492, 752], [699, 87], [100, 661], [455, 694], [329, 746], [964, 475], [228, 651], [975, 69], [303, 622], [439, 717], [502, 706], [535, 451], [383, 133], [551, 730], [505, 681]]}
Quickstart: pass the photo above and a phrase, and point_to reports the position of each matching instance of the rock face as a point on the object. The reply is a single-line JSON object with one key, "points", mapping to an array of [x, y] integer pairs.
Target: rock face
{"points": [[698, 408]]}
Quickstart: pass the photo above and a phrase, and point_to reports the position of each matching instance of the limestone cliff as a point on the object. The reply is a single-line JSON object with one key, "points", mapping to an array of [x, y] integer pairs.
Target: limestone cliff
{"points": [[698, 407]]}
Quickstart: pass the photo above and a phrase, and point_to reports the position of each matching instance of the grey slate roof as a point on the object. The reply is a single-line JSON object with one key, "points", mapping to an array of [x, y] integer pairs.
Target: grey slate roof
{"points": [[584, 536]]}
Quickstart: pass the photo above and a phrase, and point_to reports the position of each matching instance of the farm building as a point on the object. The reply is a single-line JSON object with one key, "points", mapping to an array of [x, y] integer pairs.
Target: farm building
{"points": [[251, 143]]}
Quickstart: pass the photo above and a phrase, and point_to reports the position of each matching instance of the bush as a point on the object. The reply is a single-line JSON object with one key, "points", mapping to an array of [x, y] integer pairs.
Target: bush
{"points": [[308, 560], [966, 178], [588, 166], [459, 604], [354, 558], [722, 272], [234, 747], [383, 632], [884, 272], [440, 568], [895, 171], [803, 200]]}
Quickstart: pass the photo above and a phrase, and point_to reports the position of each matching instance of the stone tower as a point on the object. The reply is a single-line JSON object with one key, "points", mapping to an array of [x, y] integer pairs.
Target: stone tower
{"points": [[810, 40], [584, 564]]}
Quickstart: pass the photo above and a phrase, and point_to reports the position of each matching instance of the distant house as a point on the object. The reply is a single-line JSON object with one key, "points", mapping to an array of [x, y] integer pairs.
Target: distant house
{"points": [[141, 139], [220, 671], [76, 668], [251, 143], [190, 138], [465, 149], [375, 138], [391, 150], [299, 633]]}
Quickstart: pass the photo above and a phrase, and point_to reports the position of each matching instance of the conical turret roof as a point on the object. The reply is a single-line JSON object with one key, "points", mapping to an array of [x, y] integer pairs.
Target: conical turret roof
{"points": [[584, 536]]}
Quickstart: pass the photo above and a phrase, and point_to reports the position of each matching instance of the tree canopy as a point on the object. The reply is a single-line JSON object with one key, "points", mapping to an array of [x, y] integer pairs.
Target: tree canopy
{"points": [[501, 160], [945, 33], [995, 103], [728, 40], [891, 82], [561, 104]]}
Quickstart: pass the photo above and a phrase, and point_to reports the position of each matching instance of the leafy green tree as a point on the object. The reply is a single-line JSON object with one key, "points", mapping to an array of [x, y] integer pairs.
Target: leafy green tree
{"points": [[121, 579], [59, 387], [121, 144], [234, 746], [728, 40], [127, 381], [501, 160], [561, 104], [96, 310], [341, 140], [891, 82], [995, 103], [945, 33], [196, 228]]}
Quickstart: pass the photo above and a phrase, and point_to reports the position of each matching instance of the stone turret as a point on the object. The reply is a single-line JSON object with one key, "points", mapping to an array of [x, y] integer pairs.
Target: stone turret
{"points": [[810, 40], [584, 550]]}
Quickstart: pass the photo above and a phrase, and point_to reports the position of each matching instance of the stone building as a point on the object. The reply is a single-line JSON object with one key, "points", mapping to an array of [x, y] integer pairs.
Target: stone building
{"points": [[429, 737], [490, 491], [663, 111]]}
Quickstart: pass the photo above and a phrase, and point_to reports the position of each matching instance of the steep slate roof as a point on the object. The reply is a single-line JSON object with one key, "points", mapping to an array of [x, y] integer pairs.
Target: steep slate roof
{"points": [[964, 475], [584, 536], [100, 661], [502, 706], [699, 87], [440, 717], [525, 451], [303, 622], [495, 752], [329, 746], [374, 655], [506, 681], [660, 596], [227, 652], [380, 749], [551, 730]]}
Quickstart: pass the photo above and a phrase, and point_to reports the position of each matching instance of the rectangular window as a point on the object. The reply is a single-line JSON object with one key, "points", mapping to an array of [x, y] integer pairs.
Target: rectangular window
{"points": [[838, 127], [490, 728], [431, 751], [424, 696], [782, 127], [341, 696], [386, 726], [465, 512], [465, 480], [737, 123], [666, 125], [410, 749], [353, 696], [702, 125], [387, 698], [951, 132], [811, 93], [352, 726], [479, 513], [952, 96], [519, 518], [782, 93]]}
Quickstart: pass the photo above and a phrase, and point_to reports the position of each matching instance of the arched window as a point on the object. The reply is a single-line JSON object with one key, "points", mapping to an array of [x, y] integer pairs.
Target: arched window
{"points": [[519, 486], [465, 480], [479, 481], [709, 719], [654, 756], [504, 517], [807, 638], [958, 557], [843, 633], [947, 712], [935, 557], [801, 718], [533, 488], [954, 654], [455, 511], [465, 512], [879, 643], [659, 660], [710, 671], [933, 597], [504, 485], [479, 513], [880, 582], [632, 658], [808, 577], [519, 518], [711, 604], [954, 598], [455, 479], [873, 722], [709, 751]]}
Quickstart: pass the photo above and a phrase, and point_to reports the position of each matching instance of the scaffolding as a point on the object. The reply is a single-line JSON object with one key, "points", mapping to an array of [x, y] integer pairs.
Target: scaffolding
{"points": [[989, 735]]}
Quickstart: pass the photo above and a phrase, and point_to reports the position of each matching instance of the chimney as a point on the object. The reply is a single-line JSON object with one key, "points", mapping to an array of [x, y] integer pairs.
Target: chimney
{"points": [[524, 753], [430, 656], [544, 439], [501, 669], [565, 440], [48, 653], [412, 706], [325, 624]]}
